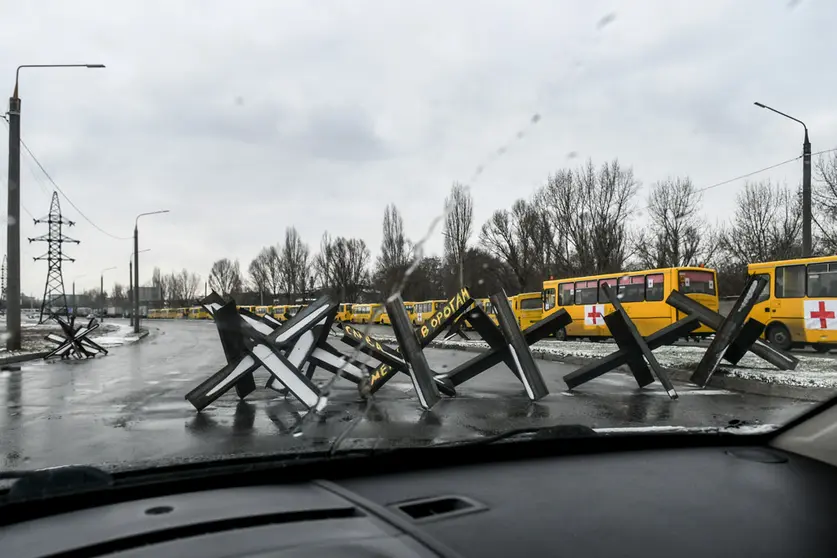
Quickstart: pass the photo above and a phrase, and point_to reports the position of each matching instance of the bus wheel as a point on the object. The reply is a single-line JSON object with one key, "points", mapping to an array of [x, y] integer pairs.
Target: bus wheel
{"points": [[561, 334], [778, 334], [822, 347]]}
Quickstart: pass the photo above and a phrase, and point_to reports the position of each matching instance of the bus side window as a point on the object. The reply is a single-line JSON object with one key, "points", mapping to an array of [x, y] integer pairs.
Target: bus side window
{"points": [[765, 293], [586, 292], [565, 294], [822, 280], [632, 289], [609, 282], [790, 281], [654, 288]]}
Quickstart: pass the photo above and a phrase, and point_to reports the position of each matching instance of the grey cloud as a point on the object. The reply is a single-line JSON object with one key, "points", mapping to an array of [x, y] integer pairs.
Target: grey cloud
{"points": [[342, 134]]}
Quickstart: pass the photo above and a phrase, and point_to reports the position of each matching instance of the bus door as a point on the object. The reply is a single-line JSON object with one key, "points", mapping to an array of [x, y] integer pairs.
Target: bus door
{"points": [[763, 309], [566, 300], [590, 314], [787, 303]]}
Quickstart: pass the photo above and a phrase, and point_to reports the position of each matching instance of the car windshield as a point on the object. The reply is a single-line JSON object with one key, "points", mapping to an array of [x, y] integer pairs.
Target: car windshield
{"points": [[287, 227]]}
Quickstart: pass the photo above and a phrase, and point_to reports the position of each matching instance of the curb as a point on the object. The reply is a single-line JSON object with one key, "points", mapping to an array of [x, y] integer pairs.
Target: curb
{"points": [[22, 358], [718, 380]]}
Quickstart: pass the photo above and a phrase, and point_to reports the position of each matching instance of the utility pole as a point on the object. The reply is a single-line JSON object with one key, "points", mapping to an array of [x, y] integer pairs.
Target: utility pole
{"points": [[131, 293], [102, 289], [806, 197], [136, 279], [13, 227], [13, 209], [136, 266], [806, 183]]}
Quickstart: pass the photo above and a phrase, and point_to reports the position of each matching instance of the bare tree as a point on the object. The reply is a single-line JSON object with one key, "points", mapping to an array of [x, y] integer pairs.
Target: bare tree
{"points": [[176, 288], [394, 258], [295, 265], [342, 266], [158, 281], [677, 234], [274, 270], [459, 220], [426, 282], [118, 293], [590, 210], [191, 283], [522, 238], [225, 278], [260, 272], [767, 224], [825, 202]]}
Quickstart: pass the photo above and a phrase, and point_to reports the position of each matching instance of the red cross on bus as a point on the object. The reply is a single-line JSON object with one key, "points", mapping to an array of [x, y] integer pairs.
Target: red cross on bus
{"points": [[593, 314], [822, 315]]}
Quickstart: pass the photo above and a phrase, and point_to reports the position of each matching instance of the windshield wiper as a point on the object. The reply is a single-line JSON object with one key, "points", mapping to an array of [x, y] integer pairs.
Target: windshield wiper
{"points": [[54, 481], [553, 432]]}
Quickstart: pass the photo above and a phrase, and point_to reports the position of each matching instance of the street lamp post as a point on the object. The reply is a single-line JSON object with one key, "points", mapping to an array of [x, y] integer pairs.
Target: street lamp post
{"points": [[102, 290], [130, 286], [13, 222], [75, 302], [136, 266], [806, 183]]}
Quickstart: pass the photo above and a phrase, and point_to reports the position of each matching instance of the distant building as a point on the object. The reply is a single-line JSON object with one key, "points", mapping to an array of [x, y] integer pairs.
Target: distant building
{"points": [[148, 295]]}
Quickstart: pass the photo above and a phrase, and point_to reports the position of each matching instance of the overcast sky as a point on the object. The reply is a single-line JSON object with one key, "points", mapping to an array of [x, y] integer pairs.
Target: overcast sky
{"points": [[244, 118]]}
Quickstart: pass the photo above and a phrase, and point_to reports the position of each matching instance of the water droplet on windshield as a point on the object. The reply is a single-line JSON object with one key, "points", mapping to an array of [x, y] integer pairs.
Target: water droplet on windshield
{"points": [[321, 403], [606, 20]]}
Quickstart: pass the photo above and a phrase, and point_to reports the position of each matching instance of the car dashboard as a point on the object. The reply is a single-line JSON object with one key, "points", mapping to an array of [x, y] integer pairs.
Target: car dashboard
{"points": [[724, 500]]}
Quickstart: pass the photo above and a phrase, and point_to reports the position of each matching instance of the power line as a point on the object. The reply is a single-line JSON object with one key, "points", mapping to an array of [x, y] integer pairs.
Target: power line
{"points": [[80, 212], [749, 174], [763, 170], [46, 191]]}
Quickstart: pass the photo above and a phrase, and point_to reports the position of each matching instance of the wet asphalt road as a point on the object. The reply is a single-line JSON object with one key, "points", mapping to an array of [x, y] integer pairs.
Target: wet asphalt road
{"points": [[129, 407]]}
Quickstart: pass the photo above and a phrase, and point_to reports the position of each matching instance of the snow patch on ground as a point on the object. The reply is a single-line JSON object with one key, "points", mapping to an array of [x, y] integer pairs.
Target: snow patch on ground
{"points": [[811, 372], [123, 334]]}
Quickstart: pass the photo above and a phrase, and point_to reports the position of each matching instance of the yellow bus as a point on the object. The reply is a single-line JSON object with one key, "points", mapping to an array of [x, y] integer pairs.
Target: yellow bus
{"points": [[248, 308], [528, 308], [486, 305], [198, 313], [411, 311], [799, 305], [411, 314], [154, 313], [280, 312], [344, 313], [263, 310], [427, 309], [366, 313], [643, 295]]}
